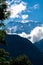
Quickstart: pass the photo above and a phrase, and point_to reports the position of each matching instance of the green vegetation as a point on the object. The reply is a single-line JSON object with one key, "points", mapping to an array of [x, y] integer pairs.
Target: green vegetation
{"points": [[6, 60], [21, 60], [4, 57], [3, 15]]}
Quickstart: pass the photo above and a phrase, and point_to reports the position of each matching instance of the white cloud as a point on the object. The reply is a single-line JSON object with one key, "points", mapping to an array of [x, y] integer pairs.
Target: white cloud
{"points": [[17, 16], [25, 16], [23, 34], [17, 9], [35, 35], [24, 21], [13, 1], [12, 33], [9, 2], [17, 1]]}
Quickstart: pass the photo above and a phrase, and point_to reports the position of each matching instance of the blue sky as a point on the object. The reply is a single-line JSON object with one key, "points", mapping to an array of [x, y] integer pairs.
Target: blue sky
{"points": [[26, 17], [36, 9], [36, 14]]}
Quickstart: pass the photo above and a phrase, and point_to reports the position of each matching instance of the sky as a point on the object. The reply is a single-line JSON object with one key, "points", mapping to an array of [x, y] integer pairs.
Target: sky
{"points": [[26, 19]]}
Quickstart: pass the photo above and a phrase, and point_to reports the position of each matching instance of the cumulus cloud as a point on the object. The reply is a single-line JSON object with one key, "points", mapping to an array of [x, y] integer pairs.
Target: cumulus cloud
{"points": [[25, 16], [23, 34], [17, 9], [35, 35]]}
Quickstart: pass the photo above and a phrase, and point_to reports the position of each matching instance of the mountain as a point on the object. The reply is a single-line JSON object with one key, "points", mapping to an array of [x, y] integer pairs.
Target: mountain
{"points": [[17, 45], [39, 45]]}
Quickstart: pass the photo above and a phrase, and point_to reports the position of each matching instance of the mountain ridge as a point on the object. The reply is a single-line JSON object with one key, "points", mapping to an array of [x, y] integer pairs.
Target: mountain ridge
{"points": [[17, 45], [39, 45]]}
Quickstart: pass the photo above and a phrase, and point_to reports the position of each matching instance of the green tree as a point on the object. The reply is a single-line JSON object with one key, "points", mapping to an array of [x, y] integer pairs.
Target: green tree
{"points": [[21, 60], [3, 57], [3, 15]]}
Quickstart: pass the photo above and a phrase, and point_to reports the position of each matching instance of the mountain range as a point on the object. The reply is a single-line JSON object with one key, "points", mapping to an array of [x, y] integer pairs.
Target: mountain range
{"points": [[17, 45], [39, 45]]}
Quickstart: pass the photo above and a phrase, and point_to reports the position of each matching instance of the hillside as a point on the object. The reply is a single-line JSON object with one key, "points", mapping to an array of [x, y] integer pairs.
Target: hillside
{"points": [[17, 45]]}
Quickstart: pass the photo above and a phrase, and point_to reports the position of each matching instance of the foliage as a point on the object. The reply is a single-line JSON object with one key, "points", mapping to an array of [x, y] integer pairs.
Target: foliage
{"points": [[3, 53], [21, 60], [3, 15], [3, 57], [3, 10]]}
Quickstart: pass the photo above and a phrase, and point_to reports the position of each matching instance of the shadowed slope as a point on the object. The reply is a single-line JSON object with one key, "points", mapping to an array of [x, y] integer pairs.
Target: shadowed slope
{"points": [[18, 46]]}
